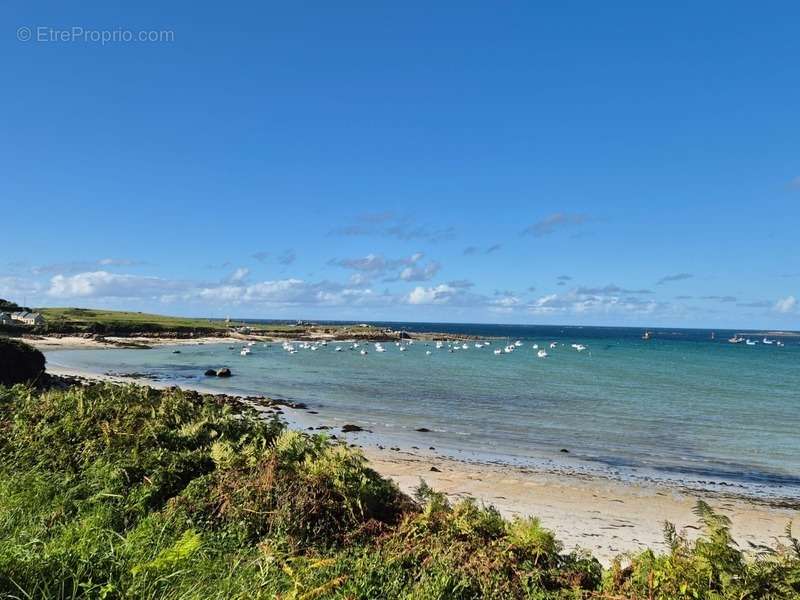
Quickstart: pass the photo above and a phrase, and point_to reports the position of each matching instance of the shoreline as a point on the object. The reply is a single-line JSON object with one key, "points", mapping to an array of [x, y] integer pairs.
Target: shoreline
{"points": [[600, 514], [73, 341]]}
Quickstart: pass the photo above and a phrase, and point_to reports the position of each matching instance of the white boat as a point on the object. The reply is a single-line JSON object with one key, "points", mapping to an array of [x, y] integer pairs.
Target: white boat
{"points": [[553, 345], [579, 347], [439, 345], [338, 348], [402, 348], [736, 339], [750, 342], [766, 341], [779, 344], [363, 353], [464, 347], [244, 351], [478, 346], [518, 343], [542, 354], [536, 346], [427, 352], [498, 351]]}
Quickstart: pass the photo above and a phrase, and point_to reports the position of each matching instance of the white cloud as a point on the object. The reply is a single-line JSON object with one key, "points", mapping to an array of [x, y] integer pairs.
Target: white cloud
{"points": [[95, 284], [239, 274], [576, 302], [439, 294], [394, 269], [118, 262], [291, 292], [505, 304], [420, 272], [786, 305], [17, 287]]}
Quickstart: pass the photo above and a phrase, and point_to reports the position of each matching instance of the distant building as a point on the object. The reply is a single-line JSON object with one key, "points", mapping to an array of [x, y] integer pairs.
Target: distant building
{"points": [[28, 318], [5, 319]]}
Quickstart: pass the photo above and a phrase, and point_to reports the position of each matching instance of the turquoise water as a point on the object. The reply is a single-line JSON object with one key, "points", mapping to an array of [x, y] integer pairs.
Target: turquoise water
{"points": [[679, 407]]}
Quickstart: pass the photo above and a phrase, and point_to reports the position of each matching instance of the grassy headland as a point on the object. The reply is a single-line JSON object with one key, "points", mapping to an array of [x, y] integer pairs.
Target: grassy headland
{"points": [[126, 323], [113, 491], [86, 318]]}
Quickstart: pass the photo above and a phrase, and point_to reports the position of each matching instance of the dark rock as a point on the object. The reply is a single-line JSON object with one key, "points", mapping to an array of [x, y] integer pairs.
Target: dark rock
{"points": [[431, 448], [210, 373], [435, 470], [423, 430], [19, 362], [224, 372], [564, 450], [348, 428]]}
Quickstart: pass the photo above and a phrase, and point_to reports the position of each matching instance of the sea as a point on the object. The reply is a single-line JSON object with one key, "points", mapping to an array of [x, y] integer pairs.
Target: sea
{"points": [[685, 407]]}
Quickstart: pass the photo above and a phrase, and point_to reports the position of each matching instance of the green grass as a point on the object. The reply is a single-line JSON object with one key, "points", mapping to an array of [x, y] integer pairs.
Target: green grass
{"points": [[123, 492], [90, 316], [126, 322]]}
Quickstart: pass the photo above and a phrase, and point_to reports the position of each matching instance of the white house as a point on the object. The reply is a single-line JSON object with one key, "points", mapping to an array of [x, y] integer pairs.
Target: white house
{"points": [[28, 318], [5, 319]]}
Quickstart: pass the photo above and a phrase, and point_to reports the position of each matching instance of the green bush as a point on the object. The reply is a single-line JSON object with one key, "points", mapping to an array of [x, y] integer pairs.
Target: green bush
{"points": [[19, 362]]}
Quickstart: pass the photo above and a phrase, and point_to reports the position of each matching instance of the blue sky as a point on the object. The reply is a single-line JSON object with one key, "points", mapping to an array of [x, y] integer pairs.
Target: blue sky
{"points": [[582, 163]]}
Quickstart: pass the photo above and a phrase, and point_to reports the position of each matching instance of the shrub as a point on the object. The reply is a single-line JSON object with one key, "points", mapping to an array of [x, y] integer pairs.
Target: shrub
{"points": [[19, 362]]}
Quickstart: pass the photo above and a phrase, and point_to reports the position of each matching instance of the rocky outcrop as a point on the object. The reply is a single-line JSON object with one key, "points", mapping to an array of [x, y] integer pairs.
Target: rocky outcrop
{"points": [[19, 362]]}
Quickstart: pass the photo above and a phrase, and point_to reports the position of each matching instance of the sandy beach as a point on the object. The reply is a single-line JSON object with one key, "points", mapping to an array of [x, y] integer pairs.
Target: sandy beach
{"points": [[75, 342], [602, 515]]}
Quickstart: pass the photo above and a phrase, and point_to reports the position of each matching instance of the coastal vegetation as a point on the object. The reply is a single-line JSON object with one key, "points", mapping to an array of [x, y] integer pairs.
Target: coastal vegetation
{"points": [[9, 306], [128, 323], [78, 320], [111, 491]]}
